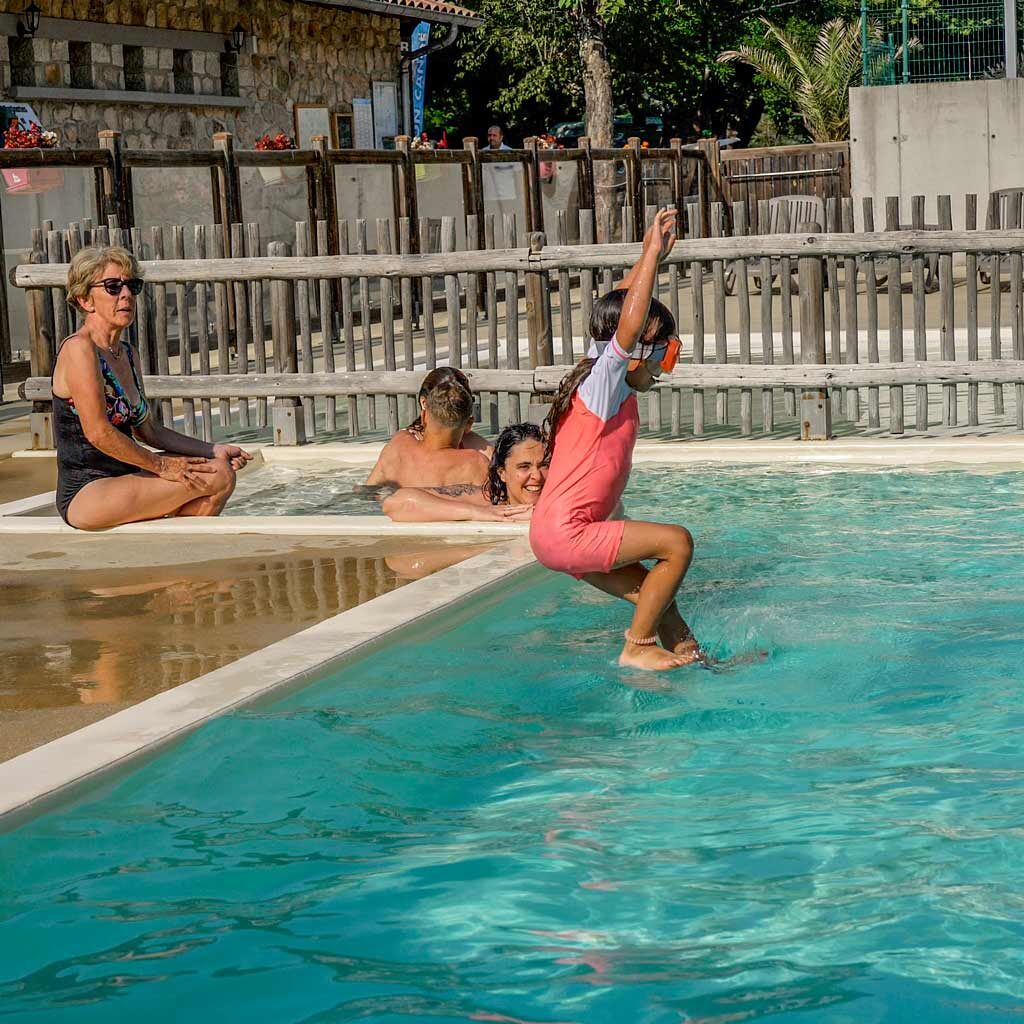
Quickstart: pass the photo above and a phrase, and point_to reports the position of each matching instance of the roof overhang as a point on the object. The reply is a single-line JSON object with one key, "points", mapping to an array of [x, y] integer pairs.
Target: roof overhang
{"points": [[434, 11]]}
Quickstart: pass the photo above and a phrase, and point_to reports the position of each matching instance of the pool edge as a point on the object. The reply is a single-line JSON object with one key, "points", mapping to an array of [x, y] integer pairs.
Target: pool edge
{"points": [[33, 782]]}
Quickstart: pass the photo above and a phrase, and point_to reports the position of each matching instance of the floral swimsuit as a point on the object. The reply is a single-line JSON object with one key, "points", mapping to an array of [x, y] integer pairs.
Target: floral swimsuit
{"points": [[79, 462]]}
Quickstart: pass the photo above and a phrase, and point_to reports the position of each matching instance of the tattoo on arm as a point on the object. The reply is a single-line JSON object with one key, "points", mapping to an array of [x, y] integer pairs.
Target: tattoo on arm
{"points": [[454, 490]]}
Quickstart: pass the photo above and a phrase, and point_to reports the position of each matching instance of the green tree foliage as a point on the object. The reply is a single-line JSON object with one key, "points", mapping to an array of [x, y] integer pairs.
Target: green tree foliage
{"points": [[524, 68], [816, 75]]}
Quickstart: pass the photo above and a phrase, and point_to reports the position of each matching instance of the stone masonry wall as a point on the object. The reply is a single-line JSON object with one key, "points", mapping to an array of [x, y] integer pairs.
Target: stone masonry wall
{"points": [[304, 54]]}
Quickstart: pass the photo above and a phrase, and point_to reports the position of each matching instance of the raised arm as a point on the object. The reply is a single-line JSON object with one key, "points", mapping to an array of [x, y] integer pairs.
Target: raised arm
{"points": [[639, 282]]}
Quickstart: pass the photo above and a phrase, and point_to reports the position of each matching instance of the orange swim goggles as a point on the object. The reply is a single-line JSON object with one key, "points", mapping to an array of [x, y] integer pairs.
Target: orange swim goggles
{"points": [[669, 358]]}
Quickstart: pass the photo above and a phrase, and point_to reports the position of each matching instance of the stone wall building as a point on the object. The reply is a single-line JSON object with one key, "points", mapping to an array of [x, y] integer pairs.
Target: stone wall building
{"points": [[166, 75]]}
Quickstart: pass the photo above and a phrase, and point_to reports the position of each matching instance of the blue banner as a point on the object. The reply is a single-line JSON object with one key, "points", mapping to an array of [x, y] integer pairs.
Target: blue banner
{"points": [[420, 38]]}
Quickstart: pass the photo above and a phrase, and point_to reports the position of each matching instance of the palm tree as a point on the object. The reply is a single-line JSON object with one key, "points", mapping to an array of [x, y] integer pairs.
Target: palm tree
{"points": [[817, 76]]}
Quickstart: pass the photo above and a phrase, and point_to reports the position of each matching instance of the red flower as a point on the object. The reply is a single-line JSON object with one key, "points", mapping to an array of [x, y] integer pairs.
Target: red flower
{"points": [[21, 135], [278, 141]]}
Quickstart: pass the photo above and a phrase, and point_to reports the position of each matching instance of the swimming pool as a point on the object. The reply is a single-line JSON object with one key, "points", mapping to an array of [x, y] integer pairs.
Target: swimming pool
{"points": [[282, 490], [497, 824]]}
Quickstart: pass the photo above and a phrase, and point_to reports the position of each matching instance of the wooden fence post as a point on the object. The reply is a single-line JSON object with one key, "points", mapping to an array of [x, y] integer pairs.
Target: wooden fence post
{"points": [[408, 201], [471, 144], [535, 206], [115, 181], [538, 320], [43, 348], [322, 199], [711, 187], [288, 421], [228, 187], [586, 175], [635, 187], [678, 199], [815, 406]]}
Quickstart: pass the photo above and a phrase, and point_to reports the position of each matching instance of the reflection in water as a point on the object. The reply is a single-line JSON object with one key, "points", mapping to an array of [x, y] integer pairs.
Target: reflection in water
{"points": [[117, 637]]}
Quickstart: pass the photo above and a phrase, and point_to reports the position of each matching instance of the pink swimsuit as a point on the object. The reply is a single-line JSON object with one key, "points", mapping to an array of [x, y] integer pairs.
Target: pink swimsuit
{"points": [[570, 531]]}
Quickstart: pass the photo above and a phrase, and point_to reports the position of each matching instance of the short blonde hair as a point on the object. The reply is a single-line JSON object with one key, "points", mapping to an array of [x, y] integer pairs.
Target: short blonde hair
{"points": [[91, 260]]}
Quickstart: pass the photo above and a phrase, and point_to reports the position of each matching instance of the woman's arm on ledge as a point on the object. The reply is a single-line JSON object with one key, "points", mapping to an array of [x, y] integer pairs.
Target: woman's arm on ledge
{"points": [[158, 436], [447, 505]]}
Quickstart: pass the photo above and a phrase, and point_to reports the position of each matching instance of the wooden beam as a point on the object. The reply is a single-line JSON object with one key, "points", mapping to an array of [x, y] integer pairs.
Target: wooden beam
{"points": [[554, 258], [778, 375]]}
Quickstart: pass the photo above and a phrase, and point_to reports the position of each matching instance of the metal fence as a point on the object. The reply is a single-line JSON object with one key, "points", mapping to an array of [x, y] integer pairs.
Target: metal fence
{"points": [[907, 41]]}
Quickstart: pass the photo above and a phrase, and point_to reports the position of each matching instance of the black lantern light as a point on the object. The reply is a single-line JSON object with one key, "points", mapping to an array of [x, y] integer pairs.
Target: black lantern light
{"points": [[237, 39], [30, 26]]}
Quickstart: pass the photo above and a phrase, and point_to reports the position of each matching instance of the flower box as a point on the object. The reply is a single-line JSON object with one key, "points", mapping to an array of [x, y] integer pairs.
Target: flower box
{"points": [[26, 181]]}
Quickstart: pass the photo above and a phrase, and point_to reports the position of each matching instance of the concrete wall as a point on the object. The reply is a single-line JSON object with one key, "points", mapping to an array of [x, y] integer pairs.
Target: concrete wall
{"points": [[934, 139]]}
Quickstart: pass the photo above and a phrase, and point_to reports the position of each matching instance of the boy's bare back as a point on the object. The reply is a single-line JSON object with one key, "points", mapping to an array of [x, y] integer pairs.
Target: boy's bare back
{"points": [[407, 462]]}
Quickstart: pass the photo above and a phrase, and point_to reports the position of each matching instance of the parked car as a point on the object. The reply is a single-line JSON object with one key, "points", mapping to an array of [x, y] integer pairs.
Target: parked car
{"points": [[653, 131]]}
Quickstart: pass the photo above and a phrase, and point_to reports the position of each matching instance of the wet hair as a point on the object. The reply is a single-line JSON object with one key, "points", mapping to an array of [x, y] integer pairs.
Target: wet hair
{"points": [[604, 318], [450, 405], [495, 489], [604, 322], [442, 375], [562, 400]]}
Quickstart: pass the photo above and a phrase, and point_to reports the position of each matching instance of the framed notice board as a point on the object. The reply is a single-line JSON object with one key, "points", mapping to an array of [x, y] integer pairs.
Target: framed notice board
{"points": [[311, 119]]}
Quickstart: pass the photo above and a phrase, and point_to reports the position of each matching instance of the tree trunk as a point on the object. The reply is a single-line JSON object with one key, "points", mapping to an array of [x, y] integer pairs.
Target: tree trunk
{"points": [[597, 91]]}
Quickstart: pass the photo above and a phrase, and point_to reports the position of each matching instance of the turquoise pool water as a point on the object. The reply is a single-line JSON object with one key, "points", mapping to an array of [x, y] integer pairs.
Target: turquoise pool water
{"points": [[277, 490], [497, 824]]}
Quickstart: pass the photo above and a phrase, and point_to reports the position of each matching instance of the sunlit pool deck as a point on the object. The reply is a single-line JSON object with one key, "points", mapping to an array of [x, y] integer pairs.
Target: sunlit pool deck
{"points": [[34, 538]]}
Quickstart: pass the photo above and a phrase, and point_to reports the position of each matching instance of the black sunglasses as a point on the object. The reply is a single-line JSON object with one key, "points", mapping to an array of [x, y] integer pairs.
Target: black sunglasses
{"points": [[113, 285]]}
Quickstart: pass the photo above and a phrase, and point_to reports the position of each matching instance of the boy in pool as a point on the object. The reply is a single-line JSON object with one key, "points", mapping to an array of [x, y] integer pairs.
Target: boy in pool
{"points": [[592, 428], [438, 458]]}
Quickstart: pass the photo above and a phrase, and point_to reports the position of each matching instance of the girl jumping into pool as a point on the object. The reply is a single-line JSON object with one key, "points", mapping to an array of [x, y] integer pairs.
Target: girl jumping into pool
{"points": [[592, 427]]}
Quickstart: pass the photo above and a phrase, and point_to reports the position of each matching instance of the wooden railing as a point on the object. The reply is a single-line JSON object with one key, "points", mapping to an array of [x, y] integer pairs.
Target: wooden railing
{"points": [[820, 169], [327, 314]]}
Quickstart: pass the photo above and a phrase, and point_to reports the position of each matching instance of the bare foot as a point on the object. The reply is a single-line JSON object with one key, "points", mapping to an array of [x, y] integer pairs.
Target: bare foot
{"points": [[688, 649], [651, 659]]}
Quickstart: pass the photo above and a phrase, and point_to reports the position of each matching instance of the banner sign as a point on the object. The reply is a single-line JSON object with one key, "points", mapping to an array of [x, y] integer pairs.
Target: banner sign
{"points": [[420, 38]]}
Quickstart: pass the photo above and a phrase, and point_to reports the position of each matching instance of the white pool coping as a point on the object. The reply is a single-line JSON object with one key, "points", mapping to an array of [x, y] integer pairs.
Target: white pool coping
{"points": [[31, 782], [885, 451], [289, 526]]}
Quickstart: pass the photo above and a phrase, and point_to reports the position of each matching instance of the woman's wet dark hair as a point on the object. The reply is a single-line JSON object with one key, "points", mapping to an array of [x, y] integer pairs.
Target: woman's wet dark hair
{"points": [[604, 318], [441, 375], [494, 488]]}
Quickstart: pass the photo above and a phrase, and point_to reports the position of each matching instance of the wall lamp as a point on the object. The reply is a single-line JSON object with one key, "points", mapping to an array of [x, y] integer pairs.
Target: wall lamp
{"points": [[236, 41], [30, 26]]}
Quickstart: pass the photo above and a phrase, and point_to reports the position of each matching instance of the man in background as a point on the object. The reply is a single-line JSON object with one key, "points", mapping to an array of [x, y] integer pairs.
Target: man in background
{"points": [[503, 185]]}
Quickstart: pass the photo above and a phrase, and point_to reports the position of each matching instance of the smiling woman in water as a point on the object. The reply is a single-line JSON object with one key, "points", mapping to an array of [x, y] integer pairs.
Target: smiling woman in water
{"points": [[515, 479]]}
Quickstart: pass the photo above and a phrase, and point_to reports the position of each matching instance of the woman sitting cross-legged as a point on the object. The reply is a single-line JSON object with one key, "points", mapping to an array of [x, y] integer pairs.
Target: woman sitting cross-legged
{"points": [[514, 482], [104, 477]]}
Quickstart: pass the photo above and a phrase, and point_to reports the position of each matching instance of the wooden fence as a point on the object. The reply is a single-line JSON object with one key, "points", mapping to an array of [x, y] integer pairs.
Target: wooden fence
{"points": [[821, 170], [609, 182], [339, 343]]}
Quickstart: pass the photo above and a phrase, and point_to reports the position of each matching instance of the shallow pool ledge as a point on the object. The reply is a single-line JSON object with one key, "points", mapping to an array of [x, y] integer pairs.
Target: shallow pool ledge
{"points": [[31, 781], [905, 450], [291, 526]]}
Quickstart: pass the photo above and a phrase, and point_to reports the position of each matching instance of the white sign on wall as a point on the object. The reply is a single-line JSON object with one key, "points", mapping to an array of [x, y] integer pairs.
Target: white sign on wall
{"points": [[385, 113], [362, 123]]}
